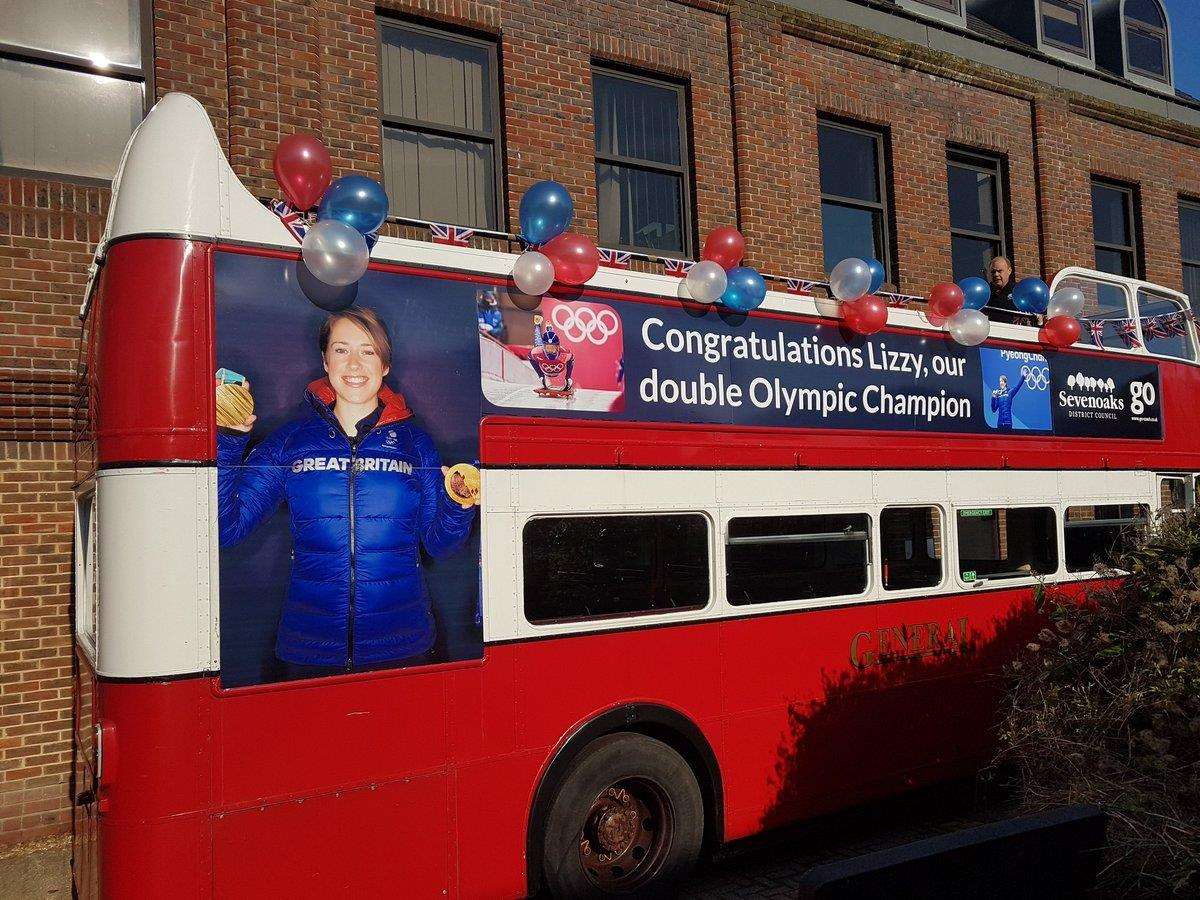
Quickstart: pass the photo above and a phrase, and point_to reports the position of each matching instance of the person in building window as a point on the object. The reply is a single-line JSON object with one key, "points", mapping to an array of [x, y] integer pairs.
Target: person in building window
{"points": [[366, 490], [1002, 401], [1000, 308]]}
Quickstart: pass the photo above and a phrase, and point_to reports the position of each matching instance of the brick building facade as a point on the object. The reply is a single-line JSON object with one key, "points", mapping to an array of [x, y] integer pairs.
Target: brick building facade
{"points": [[758, 78]]}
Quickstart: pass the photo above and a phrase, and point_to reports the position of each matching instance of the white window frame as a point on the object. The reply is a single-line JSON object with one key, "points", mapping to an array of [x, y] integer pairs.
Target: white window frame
{"points": [[1019, 581], [85, 577], [877, 561]]}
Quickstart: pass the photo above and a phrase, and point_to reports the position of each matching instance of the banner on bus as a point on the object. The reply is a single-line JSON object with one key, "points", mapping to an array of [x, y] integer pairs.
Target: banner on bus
{"points": [[665, 363]]}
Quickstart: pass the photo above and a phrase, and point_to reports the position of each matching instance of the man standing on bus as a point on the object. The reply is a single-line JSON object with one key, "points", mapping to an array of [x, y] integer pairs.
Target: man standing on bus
{"points": [[1002, 401]]}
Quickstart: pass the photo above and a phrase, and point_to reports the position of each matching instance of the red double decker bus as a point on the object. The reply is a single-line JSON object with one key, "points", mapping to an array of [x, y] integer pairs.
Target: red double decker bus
{"points": [[726, 572]]}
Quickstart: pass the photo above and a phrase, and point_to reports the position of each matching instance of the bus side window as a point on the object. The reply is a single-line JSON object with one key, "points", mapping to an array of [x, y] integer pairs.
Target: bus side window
{"points": [[1094, 534], [996, 543], [770, 559], [910, 544], [594, 567]]}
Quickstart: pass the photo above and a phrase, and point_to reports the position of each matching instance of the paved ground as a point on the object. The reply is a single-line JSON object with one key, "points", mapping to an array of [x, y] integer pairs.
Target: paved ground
{"points": [[766, 866]]}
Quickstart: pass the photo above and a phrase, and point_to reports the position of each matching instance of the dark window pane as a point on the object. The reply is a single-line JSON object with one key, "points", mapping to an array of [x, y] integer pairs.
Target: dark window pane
{"points": [[972, 199], [1006, 543], [1147, 52], [436, 80], [776, 558], [1189, 231], [638, 120], [1191, 281], [639, 208], [1110, 215], [1160, 336], [910, 544], [599, 566], [849, 163], [440, 179], [1115, 262], [73, 123], [970, 256], [1095, 534], [1172, 494], [1062, 22], [1145, 11], [850, 231]]}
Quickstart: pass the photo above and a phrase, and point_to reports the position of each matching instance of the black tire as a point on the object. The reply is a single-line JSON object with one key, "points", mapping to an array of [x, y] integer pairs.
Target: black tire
{"points": [[641, 797]]}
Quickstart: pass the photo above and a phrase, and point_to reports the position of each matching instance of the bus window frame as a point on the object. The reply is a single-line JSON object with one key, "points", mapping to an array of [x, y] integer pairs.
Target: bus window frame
{"points": [[642, 619], [870, 589], [1024, 580], [86, 612], [942, 585], [1085, 574]]}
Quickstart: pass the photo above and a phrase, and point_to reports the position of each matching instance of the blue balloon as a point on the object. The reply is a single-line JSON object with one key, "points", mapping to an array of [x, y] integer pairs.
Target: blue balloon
{"points": [[546, 212], [976, 292], [877, 274], [1031, 295], [357, 200], [744, 290]]}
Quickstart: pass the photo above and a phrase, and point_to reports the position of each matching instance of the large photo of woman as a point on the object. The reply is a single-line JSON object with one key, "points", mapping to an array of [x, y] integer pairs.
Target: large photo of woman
{"points": [[371, 513]]}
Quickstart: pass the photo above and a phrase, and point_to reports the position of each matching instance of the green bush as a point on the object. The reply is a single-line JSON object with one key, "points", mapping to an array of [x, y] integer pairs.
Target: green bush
{"points": [[1105, 708]]}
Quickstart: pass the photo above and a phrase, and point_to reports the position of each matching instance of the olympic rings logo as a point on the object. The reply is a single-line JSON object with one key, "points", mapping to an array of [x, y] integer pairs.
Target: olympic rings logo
{"points": [[1036, 378], [584, 323]]}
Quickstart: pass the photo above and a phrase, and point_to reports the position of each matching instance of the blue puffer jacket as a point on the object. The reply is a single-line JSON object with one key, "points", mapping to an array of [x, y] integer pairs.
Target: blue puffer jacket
{"points": [[359, 517], [1002, 404]]}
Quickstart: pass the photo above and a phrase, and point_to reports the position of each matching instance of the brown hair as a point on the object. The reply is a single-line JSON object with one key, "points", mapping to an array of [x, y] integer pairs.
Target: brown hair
{"points": [[366, 319]]}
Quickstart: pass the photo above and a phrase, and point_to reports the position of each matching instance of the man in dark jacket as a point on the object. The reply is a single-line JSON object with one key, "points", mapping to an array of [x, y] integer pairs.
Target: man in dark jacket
{"points": [[1000, 307]]}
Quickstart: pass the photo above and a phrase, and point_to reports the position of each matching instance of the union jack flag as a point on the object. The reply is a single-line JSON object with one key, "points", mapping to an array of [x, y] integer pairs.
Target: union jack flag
{"points": [[451, 235], [1097, 330], [1177, 323], [676, 267], [1127, 331], [295, 221], [900, 301], [799, 286], [615, 259], [1154, 327]]}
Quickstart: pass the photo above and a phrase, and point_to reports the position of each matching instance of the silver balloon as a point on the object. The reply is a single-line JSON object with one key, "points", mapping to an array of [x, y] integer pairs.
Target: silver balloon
{"points": [[850, 279], [706, 282], [968, 327], [1066, 302], [533, 272], [335, 252]]}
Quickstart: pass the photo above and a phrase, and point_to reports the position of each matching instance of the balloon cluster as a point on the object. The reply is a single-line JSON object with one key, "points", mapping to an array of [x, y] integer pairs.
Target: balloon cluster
{"points": [[349, 211], [555, 254], [720, 276], [1062, 317], [854, 282]]}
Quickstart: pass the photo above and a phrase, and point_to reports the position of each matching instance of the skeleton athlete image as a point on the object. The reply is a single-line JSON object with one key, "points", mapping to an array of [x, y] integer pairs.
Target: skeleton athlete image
{"points": [[364, 489], [1002, 401], [552, 362]]}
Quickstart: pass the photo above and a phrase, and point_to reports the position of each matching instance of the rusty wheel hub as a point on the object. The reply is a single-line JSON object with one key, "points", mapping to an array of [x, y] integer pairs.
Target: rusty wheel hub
{"points": [[626, 835]]}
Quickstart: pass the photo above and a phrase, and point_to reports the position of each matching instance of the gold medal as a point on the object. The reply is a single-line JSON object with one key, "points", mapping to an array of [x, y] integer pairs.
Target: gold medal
{"points": [[471, 480], [234, 405]]}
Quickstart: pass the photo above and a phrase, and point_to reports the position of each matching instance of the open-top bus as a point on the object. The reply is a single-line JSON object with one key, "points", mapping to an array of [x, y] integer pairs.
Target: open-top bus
{"points": [[730, 572]]}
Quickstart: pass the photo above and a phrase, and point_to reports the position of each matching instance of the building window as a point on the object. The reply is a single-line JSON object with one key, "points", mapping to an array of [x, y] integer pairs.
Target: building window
{"points": [[975, 183], [910, 546], [1114, 228], [439, 103], [579, 568], [1065, 25], [854, 192], [1189, 247], [72, 85], [642, 177], [1146, 42], [996, 543], [771, 559], [1095, 535]]}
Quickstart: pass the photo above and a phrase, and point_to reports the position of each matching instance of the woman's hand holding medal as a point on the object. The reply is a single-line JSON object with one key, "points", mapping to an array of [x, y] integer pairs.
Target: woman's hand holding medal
{"points": [[235, 405], [462, 484]]}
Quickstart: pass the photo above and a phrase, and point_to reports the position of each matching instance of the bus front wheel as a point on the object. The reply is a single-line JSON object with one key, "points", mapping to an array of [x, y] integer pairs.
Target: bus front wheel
{"points": [[629, 816]]}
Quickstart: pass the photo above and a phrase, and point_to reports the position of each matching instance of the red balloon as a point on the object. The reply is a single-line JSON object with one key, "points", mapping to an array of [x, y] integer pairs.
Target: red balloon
{"points": [[725, 246], [849, 313], [303, 169], [574, 256], [1061, 331], [945, 299], [869, 316]]}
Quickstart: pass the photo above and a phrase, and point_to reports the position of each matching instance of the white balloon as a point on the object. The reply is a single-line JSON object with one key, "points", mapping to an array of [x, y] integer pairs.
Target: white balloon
{"points": [[968, 327], [706, 281], [850, 279], [335, 252], [1066, 302], [533, 272]]}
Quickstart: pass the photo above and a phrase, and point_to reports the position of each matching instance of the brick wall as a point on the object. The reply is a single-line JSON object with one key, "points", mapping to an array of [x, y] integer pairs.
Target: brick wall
{"points": [[758, 75]]}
